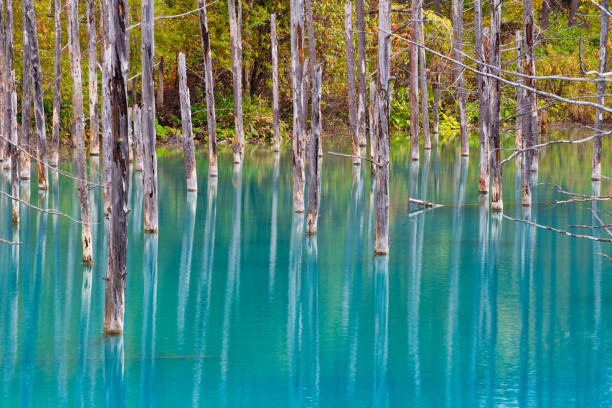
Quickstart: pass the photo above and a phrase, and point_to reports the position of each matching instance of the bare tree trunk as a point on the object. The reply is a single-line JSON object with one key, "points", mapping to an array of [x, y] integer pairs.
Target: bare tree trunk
{"points": [[39, 110], [107, 132], [544, 15], [601, 90], [57, 86], [130, 133], [573, 12], [457, 19], [423, 78], [235, 24], [94, 126], [494, 103], [160, 83], [414, 84], [529, 102], [72, 21], [4, 145], [312, 52], [483, 97], [373, 123], [297, 66], [138, 147], [9, 76], [114, 303], [275, 109], [14, 152], [148, 120], [436, 108], [210, 91], [520, 96], [313, 155], [190, 163], [381, 236], [350, 79], [361, 73], [26, 108]]}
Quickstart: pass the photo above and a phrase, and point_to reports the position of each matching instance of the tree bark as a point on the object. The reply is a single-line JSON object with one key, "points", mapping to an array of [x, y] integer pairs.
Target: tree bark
{"points": [[130, 132], [414, 84], [381, 236], [545, 15], [361, 73], [436, 108], [313, 155], [480, 43], [14, 152], [160, 83], [72, 21], [57, 87], [114, 304], [373, 123], [494, 103], [148, 120], [601, 90], [190, 163], [4, 145], [26, 108], [350, 79], [94, 126], [275, 109], [39, 110], [235, 24], [210, 91], [9, 76], [572, 14], [423, 79], [529, 105], [298, 69], [107, 132], [138, 147], [520, 96], [457, 19]]}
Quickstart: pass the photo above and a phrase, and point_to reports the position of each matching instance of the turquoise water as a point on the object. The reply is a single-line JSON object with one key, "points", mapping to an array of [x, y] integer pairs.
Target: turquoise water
{"points": [[231, 305]]}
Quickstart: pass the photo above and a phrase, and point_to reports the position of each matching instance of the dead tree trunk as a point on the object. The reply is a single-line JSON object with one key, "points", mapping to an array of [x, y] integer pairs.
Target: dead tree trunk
{"points": [[72, 21], [414, 84], [361, 73], [483, 97], [436, 108], [138, 147], [527, 132], [601, 90], [381, 236], [520, 93], [114, 303], [148, 120], [190, 163], [313, 155], [94, 126], [160, 84], [457, 19], [26, 108], [107, 131], [4, 145], [572, 13], [210, 91], [275, 109], [130, 132], [57, 86], [423, 79], [531, 102], [39, 109], [9, 76], [14, 152], [236, 48], [544, 15], [350, 79], [297, 67], [373, 123], [494, 103]]}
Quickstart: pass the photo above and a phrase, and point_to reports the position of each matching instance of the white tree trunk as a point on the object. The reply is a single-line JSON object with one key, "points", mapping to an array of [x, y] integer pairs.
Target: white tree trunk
{"points": [[190, 163], [275, 108], [94, 144], [235, 23]]}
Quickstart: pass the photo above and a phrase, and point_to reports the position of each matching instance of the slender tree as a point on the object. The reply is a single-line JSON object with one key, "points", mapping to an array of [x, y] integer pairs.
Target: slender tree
{"points": [[414, 84], [520, 96], [494, 105], [601, 90], [423, 78], [160, 83], [114, 304], [57, 86], [373, 123], [529, 108], [39, 109], [545, 14], [4, 145], [210, 91], [313, 155], [72, 25], [94, 144], [26, 107], [106, 108], [148, 119], [361, 72], [572, 13], [457, 20], [9, 77], [235, 24], [436, 107], [138, 143], [483, 97], [190, 162], [298, 70], [350, 79], [275, 109], [14, 151]]}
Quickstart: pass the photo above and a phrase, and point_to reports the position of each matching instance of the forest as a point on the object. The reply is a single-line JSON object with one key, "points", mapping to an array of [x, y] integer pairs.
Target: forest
{"points": [[391, 202]]}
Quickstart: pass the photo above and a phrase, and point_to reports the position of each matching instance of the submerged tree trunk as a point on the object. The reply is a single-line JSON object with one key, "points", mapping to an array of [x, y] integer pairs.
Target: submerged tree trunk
{"points": [[235, 24], [57, 86], [297, 67], [275, 109], [148, 120], [94, 144], [14, 152], [457, 19], [601, 90], [423, 78], [138, 147], [39, 109], [9, 76], [381, 235], [414, 84], [313, 155], [26, 109], [114, 303], [529, 105], [350, 79], [494, 103], [190, 163], [361, 72], [72, 20], [210, 91], [480, 43], [106, 108]]}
